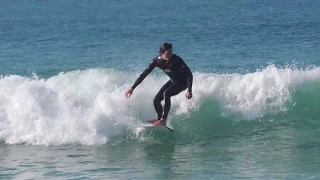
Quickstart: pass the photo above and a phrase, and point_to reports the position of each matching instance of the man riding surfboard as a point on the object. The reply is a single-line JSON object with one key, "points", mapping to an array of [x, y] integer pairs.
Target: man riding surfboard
{"points": [[181, 78]]}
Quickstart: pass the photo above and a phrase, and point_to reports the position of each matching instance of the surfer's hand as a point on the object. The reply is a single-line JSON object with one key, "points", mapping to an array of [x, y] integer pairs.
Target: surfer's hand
{"points": [[189, 95], [128, 92]]}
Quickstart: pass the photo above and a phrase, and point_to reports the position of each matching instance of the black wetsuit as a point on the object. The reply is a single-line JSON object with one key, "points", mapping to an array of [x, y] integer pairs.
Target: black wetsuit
{"points": [[180, 79]]}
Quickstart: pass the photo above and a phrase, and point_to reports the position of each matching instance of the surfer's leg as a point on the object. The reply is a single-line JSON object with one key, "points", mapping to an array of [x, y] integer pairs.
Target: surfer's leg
{"points": [[168, 93], [159, 97]]}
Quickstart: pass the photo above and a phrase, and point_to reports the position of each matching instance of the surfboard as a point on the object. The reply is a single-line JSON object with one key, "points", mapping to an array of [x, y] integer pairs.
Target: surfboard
{"points": [[150, 125]]}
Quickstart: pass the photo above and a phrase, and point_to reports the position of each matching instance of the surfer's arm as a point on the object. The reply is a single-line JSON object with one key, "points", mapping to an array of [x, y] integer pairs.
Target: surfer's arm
{"points": [[145, 73], [189, 79], [188, 73]]}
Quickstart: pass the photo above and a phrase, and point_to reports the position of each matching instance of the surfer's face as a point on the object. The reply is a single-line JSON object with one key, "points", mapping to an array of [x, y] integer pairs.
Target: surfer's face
{"points": [[167, 54]]}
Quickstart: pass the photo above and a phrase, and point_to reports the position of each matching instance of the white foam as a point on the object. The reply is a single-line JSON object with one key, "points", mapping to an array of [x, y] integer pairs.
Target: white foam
{"points": [[254, 94], [84, 107], [89, 106]]}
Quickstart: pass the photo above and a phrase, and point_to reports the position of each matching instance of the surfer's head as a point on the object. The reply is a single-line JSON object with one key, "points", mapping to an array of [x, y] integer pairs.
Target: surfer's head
{"points": [[166, 51]]}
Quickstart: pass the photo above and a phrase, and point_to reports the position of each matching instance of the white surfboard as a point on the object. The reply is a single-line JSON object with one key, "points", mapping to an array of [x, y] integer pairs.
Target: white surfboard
{"points": [[149, 125]]}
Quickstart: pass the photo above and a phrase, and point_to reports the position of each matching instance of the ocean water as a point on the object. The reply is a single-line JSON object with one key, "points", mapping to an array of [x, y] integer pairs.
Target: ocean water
{"points": [[65, 66]]}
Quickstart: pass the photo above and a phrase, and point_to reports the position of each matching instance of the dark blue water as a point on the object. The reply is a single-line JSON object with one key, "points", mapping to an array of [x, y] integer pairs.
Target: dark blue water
{"points": [[66, 65]]}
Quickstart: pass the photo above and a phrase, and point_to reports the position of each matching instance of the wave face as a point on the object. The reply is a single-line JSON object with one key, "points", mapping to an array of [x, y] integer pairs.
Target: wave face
{"points": [[88, 107]]}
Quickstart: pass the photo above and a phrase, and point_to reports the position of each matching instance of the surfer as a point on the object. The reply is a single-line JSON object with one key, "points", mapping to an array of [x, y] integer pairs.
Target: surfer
{"points": [[180, 79]]}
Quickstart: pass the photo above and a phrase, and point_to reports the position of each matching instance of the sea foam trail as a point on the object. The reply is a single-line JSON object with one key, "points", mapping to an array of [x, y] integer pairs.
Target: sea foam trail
{"points": [[89, 107]]}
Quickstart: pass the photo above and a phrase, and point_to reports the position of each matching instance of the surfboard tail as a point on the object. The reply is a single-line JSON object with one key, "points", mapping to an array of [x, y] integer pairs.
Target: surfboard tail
{"points": [[168, 128]]}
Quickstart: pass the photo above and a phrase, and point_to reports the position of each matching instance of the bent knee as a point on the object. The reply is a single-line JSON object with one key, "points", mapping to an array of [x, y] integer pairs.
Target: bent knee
{"points": [[166, 94], [157, 99]]}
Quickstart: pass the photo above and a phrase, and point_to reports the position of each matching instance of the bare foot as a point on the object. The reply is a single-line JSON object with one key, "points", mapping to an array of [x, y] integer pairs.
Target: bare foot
{"points": [[160, 122], [152, 121]]}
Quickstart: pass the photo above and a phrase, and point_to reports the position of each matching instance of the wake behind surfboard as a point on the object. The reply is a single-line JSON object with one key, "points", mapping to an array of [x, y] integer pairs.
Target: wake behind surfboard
{"points": [[150, 125]]}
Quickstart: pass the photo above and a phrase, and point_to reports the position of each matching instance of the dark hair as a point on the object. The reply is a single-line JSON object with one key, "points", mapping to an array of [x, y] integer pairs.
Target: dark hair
{"points": [[164, 47]]}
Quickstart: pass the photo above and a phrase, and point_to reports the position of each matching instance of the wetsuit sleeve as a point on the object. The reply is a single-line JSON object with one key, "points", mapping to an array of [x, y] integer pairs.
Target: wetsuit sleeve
{"points": [[189, 75], [145, 73], [189, 78]]}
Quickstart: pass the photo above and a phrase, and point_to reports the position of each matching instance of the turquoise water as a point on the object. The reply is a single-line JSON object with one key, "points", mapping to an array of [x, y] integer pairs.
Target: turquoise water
{"points": [[66, 65]]}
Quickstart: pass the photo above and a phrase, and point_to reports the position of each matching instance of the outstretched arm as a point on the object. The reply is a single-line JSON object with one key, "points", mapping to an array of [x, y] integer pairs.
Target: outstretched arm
{"points": [[143, 75]]}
